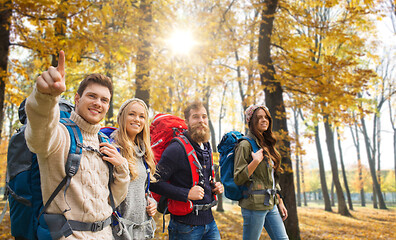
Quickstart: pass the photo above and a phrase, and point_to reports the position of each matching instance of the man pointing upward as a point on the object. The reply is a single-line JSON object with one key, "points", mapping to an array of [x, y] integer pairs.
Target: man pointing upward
{"points": [[86, 202]]}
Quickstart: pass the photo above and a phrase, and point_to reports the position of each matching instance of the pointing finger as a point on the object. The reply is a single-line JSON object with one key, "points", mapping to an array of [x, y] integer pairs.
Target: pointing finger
{"points": [[61, 63]]}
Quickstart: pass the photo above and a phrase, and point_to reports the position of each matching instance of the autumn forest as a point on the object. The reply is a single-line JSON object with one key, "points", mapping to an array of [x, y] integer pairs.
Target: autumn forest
{"points": [[320, 66]]}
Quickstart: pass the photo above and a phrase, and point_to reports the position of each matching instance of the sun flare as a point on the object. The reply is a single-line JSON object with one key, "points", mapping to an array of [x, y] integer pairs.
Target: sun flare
{"points": [[181, 42]]}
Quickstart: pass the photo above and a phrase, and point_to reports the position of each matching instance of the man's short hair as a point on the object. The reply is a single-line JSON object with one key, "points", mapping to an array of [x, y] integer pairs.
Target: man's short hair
{"points": [[196, 104], [95, 78]]}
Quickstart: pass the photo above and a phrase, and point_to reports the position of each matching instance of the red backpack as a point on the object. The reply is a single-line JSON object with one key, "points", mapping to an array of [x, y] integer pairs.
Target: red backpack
{"points": [[165, 129]]}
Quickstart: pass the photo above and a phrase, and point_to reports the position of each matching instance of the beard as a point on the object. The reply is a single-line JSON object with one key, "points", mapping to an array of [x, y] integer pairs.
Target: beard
{"points": [[199, 133]]}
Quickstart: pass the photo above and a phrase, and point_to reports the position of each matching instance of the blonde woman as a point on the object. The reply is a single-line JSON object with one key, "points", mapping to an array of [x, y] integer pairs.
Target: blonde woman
{"points": [[132, 138]]}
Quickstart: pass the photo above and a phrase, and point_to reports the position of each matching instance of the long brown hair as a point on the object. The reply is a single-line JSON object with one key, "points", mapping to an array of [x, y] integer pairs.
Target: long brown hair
{"points": [[266, 139], [127, 145]]}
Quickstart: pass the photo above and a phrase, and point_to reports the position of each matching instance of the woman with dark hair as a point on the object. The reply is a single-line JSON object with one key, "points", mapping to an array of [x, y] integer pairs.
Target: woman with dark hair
{"points": [[259, 172]]}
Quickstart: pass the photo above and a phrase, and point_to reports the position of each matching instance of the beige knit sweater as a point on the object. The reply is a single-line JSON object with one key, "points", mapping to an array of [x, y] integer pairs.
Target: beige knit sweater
{"points": [[88, 192]]}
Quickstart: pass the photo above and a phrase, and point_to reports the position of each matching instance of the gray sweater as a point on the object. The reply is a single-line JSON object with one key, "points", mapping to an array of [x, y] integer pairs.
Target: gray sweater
{"points": [[133, 208]]}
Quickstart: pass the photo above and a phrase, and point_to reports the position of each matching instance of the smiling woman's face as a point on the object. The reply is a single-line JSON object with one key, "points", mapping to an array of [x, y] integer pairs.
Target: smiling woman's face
{"points": [[262, 120], [135, 119]]}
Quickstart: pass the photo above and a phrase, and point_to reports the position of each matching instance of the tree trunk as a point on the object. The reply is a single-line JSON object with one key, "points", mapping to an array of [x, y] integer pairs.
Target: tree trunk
{"points": [[245, 96], [11, 118], [144, 53], [379, 152], [214, 146], [275, 103], [211, 128], [297, 157], [394, 150], [393, 125], [332, 194], [110, 113], [298, 181], [356, 141], [5, 21], [213, 136], [322, 172], [375, 204], [220, 207], [362, 195], [343, 173], [371, 162], [60, 31], [342, 208], [223, 111], [303, 184]]}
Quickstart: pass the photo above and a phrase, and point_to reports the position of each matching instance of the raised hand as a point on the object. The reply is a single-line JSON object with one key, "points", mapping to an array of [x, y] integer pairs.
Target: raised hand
{"points": [[52, 81]]}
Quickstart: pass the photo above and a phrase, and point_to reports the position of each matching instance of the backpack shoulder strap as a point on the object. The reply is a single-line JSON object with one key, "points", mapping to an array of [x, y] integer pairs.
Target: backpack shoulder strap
{"points": [[104, 138], [195, 166], [252, 143], [72, 162], [148, 176], [76, 144]]}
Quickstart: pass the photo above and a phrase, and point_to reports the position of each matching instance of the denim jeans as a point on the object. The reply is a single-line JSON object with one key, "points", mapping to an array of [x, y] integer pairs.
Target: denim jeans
{"points": [[181, 231], [254, 220]]}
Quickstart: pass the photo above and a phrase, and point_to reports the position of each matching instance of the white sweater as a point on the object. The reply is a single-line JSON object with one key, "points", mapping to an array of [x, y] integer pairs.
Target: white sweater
{"points": [[88, 192]]}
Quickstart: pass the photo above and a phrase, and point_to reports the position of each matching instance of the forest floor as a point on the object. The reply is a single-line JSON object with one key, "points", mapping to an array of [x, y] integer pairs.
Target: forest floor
{"points": [[315, 223]]}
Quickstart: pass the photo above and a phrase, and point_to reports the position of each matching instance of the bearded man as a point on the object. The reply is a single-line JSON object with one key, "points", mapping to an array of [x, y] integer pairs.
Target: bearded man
{"points": [[175, 179]]}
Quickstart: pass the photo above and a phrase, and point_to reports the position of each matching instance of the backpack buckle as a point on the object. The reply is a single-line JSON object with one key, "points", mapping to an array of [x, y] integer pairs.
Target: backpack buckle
{"points": [[97, 226]]}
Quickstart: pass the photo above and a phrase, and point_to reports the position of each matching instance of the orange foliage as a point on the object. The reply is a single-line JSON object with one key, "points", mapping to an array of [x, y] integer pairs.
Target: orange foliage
{"points": [[5, 226], [3, 161], [366, 223], [315, 223]]}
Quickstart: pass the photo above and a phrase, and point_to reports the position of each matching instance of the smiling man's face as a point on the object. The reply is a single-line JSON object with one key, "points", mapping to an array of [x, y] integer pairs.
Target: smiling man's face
{"points": [[94, 103]]}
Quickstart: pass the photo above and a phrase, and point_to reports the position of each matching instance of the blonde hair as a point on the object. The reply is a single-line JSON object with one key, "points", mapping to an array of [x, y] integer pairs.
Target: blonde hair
{"points": [[126, 145]]}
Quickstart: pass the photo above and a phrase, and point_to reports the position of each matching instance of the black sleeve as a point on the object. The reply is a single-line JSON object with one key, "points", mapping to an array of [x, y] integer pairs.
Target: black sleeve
{"points": [[173, 174]]}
